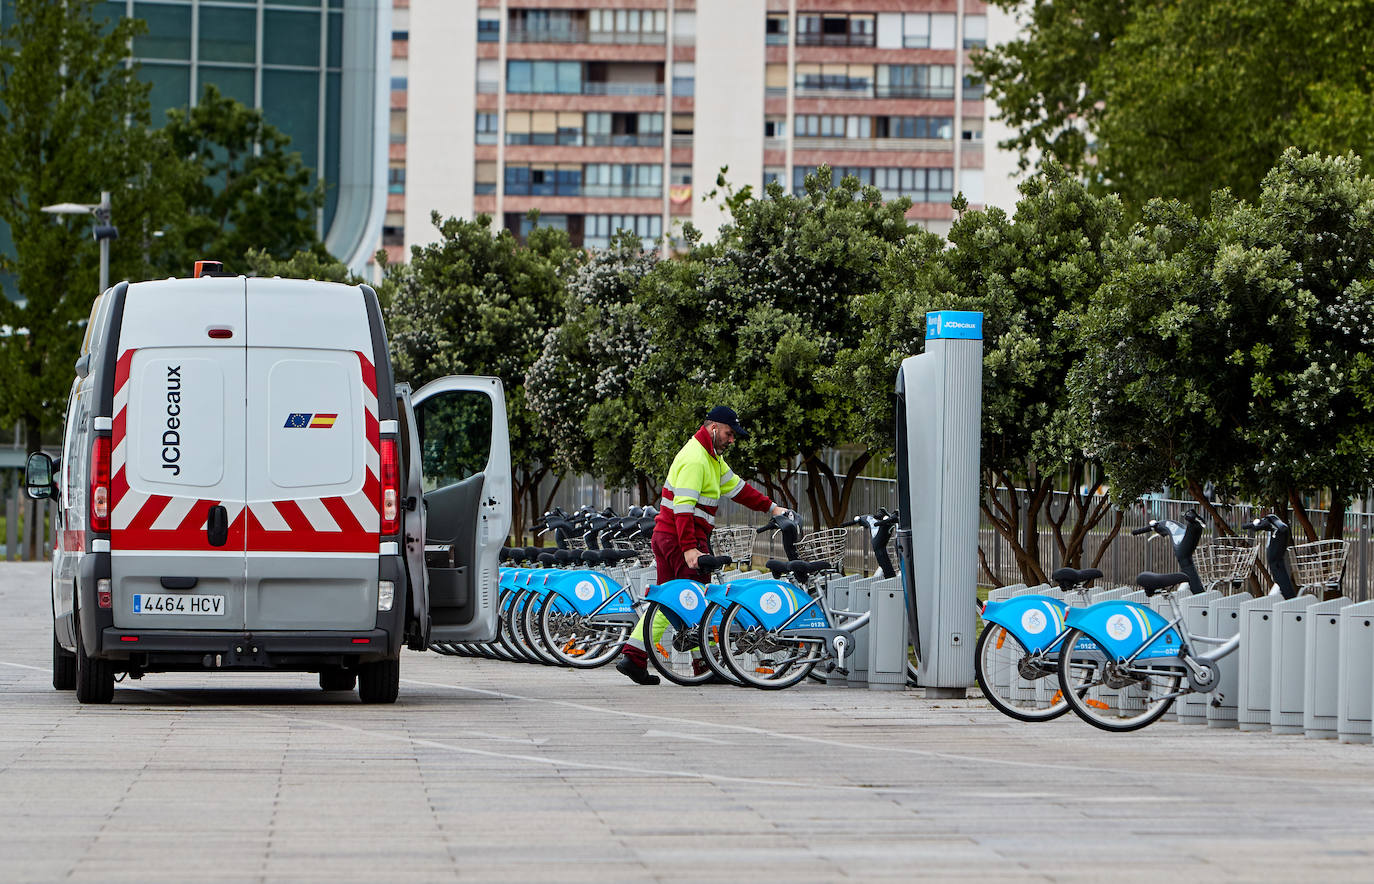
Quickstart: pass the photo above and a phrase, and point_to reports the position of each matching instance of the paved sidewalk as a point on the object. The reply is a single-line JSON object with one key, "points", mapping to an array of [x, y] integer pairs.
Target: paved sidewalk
{"points": [[488, 771]]}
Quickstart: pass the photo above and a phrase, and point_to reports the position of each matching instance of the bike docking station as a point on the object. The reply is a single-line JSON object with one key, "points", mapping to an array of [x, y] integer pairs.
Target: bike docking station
{"points": [[939, 400]]}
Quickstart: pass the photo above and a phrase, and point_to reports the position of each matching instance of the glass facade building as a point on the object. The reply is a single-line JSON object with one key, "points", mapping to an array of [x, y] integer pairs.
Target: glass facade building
{"points": [[315, 69]]}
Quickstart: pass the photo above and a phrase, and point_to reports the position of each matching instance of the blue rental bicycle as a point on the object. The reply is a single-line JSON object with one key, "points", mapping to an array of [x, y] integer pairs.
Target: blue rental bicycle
{"points": [[1150, 661], [1016, 659]]}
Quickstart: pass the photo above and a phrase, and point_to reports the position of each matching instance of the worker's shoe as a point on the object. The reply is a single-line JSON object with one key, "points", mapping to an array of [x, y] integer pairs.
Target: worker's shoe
{"points": [[636, 674]]}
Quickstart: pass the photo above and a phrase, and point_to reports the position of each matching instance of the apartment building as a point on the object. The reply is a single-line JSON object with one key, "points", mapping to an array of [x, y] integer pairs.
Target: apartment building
{"points": [[610, 114]]}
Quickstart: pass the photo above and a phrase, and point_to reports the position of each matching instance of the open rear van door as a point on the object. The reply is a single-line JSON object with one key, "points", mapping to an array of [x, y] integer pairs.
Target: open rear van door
{"points": [[465, 475]]}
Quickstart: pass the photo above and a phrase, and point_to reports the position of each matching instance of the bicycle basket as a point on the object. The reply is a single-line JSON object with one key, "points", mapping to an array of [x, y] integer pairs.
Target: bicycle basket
{"points": [[1226, 563], [1319, 565], [828, 544], [644, 556], [736, 542]]}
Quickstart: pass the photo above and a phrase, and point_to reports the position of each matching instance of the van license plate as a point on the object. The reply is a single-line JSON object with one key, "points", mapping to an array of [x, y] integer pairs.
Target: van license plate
{"points": [[162, 603]]}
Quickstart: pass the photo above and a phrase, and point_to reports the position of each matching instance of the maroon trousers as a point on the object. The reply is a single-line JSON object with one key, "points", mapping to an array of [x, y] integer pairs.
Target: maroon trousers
{"points": [[671, 563]]}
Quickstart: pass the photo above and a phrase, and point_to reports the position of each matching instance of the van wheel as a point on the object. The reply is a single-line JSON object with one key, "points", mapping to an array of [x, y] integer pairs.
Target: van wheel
{"points": [[379, 682], [336, 678], [94, 678], [63, 666]]}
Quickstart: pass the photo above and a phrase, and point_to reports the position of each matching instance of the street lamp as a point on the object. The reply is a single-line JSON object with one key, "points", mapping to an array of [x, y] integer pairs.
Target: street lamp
{"points": [[103, 232]]}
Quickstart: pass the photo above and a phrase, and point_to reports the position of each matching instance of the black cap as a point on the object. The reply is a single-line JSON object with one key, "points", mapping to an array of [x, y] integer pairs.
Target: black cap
{"points": [[724, 414]]}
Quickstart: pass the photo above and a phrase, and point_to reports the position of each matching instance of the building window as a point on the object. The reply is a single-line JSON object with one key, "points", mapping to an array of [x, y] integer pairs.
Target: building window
{"points": [[775, 173], [775, 29], [775, 79], [975, 31], [484, 177], [925, 30], [488, 75], [849, 79], [544, 77], [544, 179], [973, 87], [598, 229], [486, 128], [684, 78], [915, 81], [488, 26], [936, 128], [836, 30], [400, 36], [396, 179], [774, 127], [624, 179], [605, 128], [973, 130], [398, 84], [393, 236], [627, 25], [920, 185]]}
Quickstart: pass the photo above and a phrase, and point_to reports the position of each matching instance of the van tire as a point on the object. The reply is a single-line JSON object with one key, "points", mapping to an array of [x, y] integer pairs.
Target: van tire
{"points": [[63, 666], [94, 678], [379, 682], [336, 678]]}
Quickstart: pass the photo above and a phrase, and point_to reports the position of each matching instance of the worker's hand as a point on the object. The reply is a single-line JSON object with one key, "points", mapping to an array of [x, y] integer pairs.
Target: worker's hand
{"points": [[692, 555], [778, 510]]}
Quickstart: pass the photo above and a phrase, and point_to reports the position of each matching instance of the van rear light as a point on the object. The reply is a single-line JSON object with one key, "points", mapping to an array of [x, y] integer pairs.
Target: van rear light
{"points": [[102, 593], [386, 594], [391, 488], [100, 484]]}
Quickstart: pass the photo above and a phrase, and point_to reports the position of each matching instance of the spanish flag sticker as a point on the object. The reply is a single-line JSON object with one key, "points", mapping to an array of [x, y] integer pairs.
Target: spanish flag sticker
{"points": [[323, 421]]}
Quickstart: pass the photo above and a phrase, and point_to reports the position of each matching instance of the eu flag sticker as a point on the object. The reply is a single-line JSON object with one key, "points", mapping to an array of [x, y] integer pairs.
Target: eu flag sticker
{"points": [[138, 603], [296, 421]]}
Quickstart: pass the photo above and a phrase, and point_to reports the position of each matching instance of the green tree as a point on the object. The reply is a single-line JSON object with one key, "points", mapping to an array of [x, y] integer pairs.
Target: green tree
{"points": [[1176, 99], [478, 302], [752, 318], [581, 384], [243, 188], [65, 95], [1233, 348], [310, 264], [1031, 275]]}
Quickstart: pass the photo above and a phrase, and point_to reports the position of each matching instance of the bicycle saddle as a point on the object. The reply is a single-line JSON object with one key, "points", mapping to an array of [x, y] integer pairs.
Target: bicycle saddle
{"points": [[546, 559], [1153, 583], [1067, 577]]}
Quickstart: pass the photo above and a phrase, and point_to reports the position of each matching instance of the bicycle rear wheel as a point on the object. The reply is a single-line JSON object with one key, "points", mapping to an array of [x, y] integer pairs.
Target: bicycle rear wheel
{"points": [[1140, 694], [529, 629], [1015, 684], [675, 652], [762, 658]]}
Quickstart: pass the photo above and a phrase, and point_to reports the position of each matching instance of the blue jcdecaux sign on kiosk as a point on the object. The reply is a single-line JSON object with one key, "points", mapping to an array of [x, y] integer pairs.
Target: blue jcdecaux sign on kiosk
{"points": [[958, 324]]}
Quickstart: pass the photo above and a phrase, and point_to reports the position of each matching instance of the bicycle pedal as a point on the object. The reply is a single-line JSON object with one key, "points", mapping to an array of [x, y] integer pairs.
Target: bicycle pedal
{"points": [[841, 670]]}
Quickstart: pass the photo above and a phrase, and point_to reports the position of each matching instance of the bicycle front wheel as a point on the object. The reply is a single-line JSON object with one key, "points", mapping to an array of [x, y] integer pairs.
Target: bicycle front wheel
{"points": [[675, 652], [762, 658], [1109, 695], [578, 642], [715, 637], [1016, 684]]}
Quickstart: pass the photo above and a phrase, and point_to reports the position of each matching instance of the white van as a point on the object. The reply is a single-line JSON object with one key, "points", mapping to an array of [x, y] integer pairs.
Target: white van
{"points": [[240, 488]]}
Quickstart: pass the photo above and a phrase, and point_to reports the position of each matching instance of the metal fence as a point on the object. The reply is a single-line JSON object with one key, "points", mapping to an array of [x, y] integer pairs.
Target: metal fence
{"points": [[28, 523]]}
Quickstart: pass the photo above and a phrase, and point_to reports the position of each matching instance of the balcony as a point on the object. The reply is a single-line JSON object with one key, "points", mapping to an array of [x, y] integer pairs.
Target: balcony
{"points": [[943, 93], [586, 35], [601, 88], [602, 140], [814, 39], [652, 191], [907, 145]]}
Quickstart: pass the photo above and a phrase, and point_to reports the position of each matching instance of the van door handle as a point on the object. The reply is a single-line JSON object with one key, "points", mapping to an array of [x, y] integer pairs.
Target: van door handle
{"points": [[217, 526]]}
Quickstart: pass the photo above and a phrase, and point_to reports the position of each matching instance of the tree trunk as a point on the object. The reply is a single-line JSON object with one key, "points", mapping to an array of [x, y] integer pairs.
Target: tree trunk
{"points": [[1300, 514], [1219, 524], [1335, 520], [1024, 537], [829, 496]]}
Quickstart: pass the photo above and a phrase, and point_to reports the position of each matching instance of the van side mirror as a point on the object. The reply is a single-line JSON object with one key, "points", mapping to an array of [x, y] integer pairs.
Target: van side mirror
{"points": [[39, 473]]}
